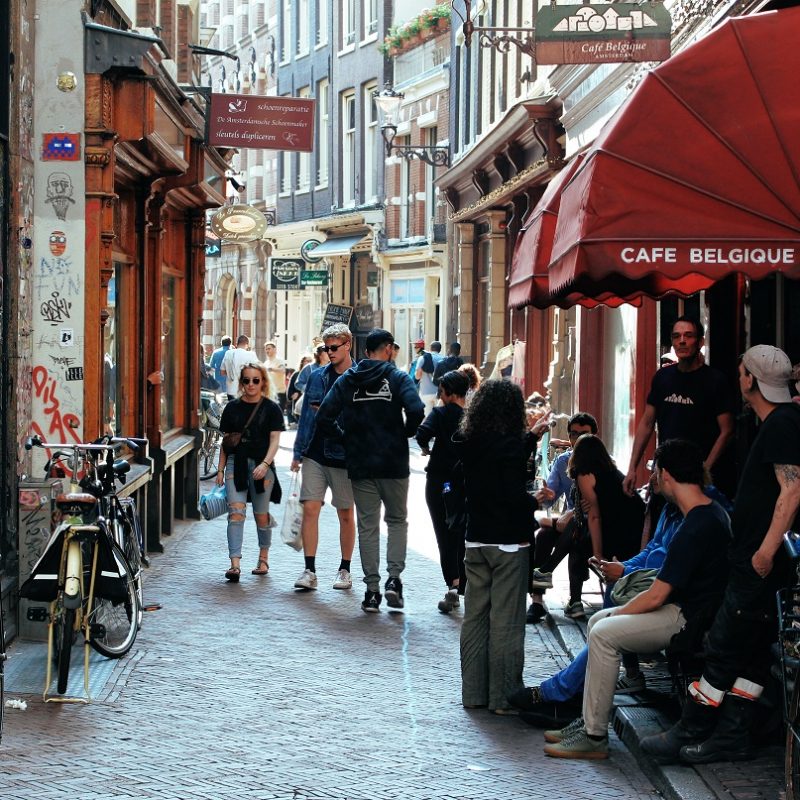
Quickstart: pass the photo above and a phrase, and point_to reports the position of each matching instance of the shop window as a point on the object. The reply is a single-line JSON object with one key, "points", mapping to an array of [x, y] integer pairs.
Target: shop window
{"points": [[173, 370], [407, 298], [112, 352]]}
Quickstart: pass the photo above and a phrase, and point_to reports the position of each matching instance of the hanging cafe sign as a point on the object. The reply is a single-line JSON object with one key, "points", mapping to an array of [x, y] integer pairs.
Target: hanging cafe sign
{"points": [[261, 122], [602, 33], [239, 223]]}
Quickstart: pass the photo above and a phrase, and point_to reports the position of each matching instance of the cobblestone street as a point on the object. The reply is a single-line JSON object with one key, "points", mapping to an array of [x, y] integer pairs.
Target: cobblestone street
{"points": [[257, 691]]}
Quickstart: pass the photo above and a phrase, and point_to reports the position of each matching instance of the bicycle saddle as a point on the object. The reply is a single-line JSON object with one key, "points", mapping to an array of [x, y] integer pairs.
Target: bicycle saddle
{"points": [[76, 502]]}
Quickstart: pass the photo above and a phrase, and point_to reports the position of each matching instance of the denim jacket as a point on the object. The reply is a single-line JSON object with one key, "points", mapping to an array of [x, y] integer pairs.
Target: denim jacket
{"points": [[319, 384]]}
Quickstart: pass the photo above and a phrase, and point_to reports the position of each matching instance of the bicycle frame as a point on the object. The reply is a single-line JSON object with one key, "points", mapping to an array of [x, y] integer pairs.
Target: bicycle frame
{"points": [[74, 596]]}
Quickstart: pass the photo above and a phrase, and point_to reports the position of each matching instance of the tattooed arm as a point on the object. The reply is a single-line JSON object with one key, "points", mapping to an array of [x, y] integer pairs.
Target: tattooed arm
{"points": [[788, 476]]}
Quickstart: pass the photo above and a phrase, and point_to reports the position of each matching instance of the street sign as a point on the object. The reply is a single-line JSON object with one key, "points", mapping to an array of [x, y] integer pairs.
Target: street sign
{"points": [[284, 274], [336, 313], [314, 277], [261, 122], [602, 33]]}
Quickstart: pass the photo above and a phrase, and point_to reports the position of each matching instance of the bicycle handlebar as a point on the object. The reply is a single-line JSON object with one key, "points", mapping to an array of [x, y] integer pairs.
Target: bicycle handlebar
{"points": [[113, 441]]}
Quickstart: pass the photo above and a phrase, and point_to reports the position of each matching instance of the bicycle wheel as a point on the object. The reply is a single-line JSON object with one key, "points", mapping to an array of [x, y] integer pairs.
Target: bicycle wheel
{"points": [[792, 756], [210, 457], [131, 541], [65, 634], [119, 620]]}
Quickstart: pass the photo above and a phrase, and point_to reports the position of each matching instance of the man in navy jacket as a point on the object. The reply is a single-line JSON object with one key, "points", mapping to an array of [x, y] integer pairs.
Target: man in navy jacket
{"points": [[375, 407]]}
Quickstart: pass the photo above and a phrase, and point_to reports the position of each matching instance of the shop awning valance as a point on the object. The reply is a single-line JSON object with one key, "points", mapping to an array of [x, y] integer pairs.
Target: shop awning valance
{"points": [[529, 281], [695, 177], [337, 246]]}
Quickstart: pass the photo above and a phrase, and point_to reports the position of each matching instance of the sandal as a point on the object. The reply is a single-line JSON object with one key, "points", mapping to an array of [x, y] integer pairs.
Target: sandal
{"points": [[262, 568], [233, 574]]}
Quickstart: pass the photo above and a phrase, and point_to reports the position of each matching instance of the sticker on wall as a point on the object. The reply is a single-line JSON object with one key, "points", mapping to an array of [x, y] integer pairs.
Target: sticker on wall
{"points": [[61, 147], [58, 243], [59, 193], [75, 374], [66, 81], [66, 337]]}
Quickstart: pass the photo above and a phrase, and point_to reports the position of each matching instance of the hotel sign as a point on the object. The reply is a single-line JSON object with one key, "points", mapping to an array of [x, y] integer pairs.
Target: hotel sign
{"points": [[256, 121], [598, 34]]}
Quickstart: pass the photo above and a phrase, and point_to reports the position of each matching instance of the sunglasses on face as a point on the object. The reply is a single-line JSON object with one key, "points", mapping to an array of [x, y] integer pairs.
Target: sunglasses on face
{"points": [[248, 381], [332, 348]]}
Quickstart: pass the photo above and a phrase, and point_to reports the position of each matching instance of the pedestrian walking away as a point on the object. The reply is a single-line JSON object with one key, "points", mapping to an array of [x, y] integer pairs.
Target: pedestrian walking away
{"points": [[715, 722], [215, 362], [450, 362], [322, 460], [426, 362], [232, 363], [445, 502], [491, 445], [247, 470], [375, 407]]}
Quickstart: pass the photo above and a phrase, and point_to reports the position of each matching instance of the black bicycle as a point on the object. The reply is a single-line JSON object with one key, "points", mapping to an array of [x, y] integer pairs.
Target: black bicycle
{"points": [[208, 455], [2, 672], [789, 641]]}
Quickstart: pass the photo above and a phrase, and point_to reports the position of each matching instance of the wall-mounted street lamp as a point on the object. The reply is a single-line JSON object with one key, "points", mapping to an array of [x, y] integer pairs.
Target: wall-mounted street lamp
{"points": [[501, 39], [388, 102]]}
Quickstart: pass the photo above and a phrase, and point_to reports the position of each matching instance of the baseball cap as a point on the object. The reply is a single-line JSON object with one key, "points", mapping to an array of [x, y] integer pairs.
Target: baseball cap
{"points": [[772, 369], [377, 337], [419, 343]]}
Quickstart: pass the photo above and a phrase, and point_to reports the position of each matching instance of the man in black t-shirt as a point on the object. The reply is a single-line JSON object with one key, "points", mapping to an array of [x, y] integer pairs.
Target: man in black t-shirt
{"points": [[450, 362], [714, 727], [691, 578], [688, 400]]}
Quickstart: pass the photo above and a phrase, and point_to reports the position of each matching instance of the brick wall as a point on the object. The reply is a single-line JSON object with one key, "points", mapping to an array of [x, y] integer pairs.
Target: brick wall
{"points": [[146, 13]]}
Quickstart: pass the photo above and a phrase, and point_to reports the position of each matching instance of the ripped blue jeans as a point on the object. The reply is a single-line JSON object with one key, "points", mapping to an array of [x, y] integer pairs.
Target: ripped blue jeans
{"points": [[237, 509]]}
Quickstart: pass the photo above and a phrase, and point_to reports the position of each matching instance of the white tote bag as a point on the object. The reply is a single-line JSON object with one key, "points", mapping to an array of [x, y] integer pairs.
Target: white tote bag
{"points": [[293, 516]]}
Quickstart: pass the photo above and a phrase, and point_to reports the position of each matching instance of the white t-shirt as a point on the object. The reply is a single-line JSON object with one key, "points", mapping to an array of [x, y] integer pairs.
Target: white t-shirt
{"points": [[233, 362], [277, 379]]}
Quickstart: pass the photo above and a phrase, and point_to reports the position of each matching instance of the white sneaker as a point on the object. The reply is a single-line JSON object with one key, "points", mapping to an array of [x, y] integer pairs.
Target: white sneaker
{"points": [[343, 580], [307, 580]]}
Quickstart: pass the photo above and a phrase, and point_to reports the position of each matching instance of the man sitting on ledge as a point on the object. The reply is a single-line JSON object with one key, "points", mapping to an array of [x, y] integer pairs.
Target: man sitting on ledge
{"points": [[692, 578]]}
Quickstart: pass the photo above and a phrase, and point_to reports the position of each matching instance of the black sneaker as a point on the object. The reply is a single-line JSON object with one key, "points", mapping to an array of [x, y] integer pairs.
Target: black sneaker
{"points": [[536, 613], [394, 593], [371, 602]]}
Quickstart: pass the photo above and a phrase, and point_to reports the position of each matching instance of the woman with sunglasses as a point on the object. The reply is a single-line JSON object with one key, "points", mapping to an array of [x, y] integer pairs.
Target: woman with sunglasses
{"points": [[249, 468]]}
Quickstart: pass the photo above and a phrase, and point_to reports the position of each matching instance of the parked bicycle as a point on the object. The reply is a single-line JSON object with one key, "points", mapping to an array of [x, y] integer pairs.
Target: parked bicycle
{"points": [[208, 456], [90, 572], [789, 641], [2, 673]]}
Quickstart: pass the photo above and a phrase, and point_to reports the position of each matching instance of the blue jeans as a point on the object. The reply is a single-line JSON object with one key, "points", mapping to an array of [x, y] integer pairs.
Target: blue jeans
{"points": [[260, 503], [569, 682]]}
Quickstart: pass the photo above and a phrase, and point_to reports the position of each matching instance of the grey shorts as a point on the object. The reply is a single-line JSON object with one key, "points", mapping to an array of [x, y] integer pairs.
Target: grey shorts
{"points": [[316, 479]]}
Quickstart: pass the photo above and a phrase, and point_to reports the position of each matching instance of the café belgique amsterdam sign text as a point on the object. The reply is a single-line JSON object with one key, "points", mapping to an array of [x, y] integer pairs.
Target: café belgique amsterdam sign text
{"points": [[597, 34], [239, 223], [273, 123]]}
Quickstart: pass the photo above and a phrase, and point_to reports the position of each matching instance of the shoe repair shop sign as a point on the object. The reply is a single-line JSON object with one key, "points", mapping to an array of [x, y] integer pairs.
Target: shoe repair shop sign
{"points": [[600, 34], [284, 274], [272, 123]]}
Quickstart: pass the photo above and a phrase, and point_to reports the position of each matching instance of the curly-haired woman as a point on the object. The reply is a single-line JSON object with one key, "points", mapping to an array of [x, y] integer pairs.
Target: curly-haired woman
{"points": [[493, 452], [249, 467]]}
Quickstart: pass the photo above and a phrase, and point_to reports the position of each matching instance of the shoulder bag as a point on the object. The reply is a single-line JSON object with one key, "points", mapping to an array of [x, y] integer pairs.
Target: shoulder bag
{"points": [[230, 441]]}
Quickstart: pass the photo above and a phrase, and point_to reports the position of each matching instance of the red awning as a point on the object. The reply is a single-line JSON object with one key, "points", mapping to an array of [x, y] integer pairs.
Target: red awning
{"points": [[696, 176], [529, 281]]}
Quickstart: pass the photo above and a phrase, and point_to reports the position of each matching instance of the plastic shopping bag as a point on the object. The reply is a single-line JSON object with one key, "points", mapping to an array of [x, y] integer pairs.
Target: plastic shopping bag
{"points": [[215, 503], [293, 518]]}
